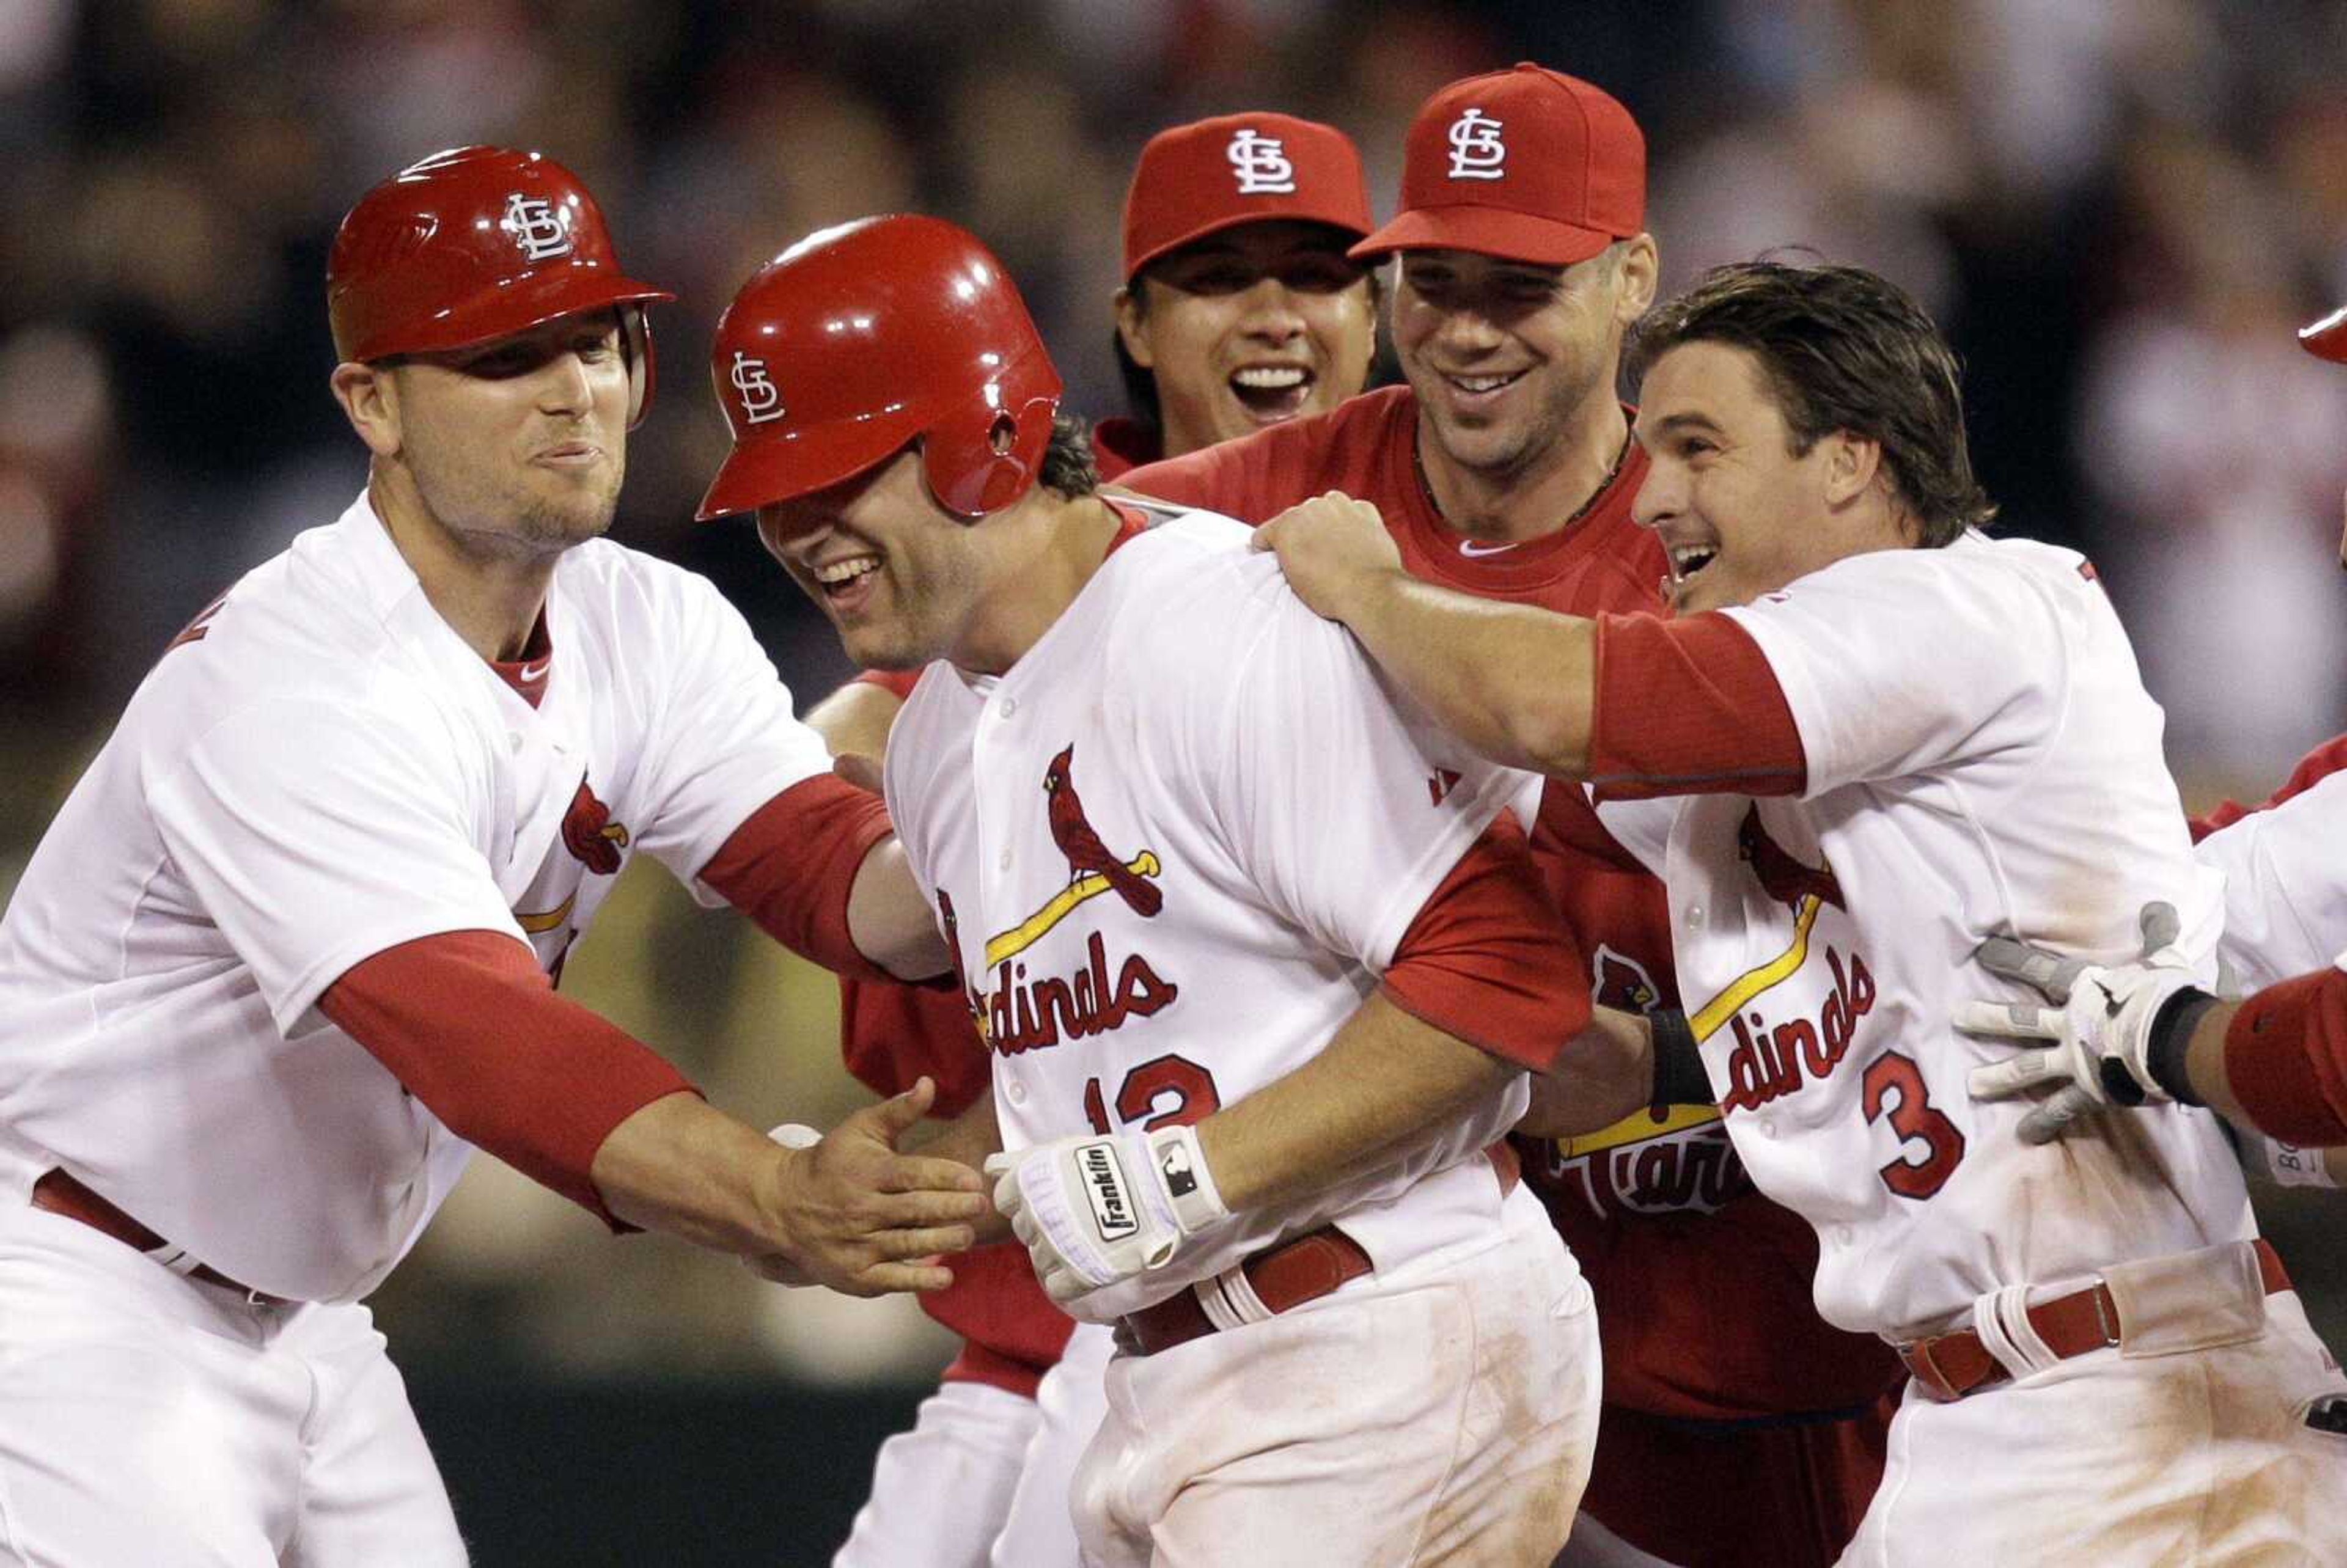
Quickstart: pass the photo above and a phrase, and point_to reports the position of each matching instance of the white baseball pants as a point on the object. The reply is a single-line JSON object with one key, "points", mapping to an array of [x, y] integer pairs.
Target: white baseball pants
{"points": [[982, 1478], [149, 1421], [1443, 1412], [2199, 1456]]}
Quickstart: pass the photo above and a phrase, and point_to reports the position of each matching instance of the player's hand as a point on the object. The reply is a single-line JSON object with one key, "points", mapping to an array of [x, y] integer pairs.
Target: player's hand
{"points": [[1096, 1210], [1333, 548], [854, 1214], [2093, 1046]]}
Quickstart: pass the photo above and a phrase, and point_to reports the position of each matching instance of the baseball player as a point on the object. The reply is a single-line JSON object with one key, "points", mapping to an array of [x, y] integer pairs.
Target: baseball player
{"points": [[1240, 307], [2274, 1065], [287, 954], [1250, 1052], [1867, 739], [1505, 469]]}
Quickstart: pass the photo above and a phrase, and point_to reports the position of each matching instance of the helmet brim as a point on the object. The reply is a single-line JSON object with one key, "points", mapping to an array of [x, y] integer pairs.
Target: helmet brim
{"points": [[763, 470], [2326, 338]]}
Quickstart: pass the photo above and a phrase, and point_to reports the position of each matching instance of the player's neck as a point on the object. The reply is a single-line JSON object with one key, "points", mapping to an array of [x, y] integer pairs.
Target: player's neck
{"points": [[1049, 549], [491, 600], [1549, 490]]}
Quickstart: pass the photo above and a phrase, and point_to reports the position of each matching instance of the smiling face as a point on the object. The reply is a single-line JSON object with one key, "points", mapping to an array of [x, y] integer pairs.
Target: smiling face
{"points": [[1738, 511], [517, 447], [901, 577], [1249, 326], [1504, 356]]}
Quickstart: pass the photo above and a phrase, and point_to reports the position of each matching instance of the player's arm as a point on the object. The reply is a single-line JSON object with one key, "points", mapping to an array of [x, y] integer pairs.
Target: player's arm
{"points": [[1635, 704], [468, 1024], [1621, 1063], [855, 719]]}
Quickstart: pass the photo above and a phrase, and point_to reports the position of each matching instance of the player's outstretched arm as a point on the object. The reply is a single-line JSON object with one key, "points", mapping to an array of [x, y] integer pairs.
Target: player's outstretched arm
{"points": [[849, 1211], [1514, 681], [1621, 1063], [855, 719]]}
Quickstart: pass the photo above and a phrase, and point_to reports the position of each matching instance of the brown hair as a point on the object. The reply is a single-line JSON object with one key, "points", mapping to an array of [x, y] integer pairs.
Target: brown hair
{"points": [[1068, 468], [1843, 348]]}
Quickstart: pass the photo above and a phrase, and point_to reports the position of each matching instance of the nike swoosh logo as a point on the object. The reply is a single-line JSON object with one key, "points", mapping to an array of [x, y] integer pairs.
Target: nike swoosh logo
{"points": [[536, 671], [1471, 548]]}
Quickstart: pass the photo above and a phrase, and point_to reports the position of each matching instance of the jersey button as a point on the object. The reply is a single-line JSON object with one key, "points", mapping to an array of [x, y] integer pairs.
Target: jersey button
{"points": [[1767, 1127], [1015, 1092], [1010, 706], [1003, 860], [1694, 917]]}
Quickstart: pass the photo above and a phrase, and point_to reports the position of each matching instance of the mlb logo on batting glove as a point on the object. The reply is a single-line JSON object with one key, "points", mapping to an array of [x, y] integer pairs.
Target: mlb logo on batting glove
{"points": [[1092, 1211]]}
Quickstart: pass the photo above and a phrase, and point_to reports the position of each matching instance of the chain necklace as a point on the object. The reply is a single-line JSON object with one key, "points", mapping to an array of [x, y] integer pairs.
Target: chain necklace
{"points": [[1426, 489]]}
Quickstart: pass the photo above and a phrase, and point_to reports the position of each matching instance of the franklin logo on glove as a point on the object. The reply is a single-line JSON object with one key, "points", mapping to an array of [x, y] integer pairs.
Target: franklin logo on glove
{"points": [[1105, 1185]]}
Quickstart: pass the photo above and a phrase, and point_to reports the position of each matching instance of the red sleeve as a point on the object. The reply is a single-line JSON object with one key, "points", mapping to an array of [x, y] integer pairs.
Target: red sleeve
{"points": [[1488, 961], [1688, 707], [2286, 1060], [2312, 768], [898, 681], [792, 865], [470, 1025], [1232, 478]]}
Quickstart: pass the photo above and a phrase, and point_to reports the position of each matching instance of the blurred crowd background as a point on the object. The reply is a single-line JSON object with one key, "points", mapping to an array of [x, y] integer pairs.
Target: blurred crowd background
{"points": [[2121, 210]]}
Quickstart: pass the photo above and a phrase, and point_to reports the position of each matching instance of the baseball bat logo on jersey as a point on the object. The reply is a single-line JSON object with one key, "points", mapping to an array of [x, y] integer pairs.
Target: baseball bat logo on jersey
{"points": [[1261, 164], [542, 232], [1110, 1196], [1476, 151], [761, 399]]}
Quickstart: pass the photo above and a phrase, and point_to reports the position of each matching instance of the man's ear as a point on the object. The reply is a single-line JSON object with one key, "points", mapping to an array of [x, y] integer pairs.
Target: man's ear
{"points": [[1637, 271], [1853, 462], [1129, 328], [369, 400]]}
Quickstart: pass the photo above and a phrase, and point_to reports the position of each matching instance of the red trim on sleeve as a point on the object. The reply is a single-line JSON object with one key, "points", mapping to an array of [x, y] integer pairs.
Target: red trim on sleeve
{"points": [[1688, 707], [2312, 768], [470, 1025], [791, 867], [1489, 961], [899, 681], [2286, 1060]]}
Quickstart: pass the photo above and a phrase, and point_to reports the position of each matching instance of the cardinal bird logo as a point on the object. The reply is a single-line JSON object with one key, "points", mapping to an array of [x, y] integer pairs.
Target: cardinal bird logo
{"points": [[1085, 852], [1781, 876], [590, 835]]}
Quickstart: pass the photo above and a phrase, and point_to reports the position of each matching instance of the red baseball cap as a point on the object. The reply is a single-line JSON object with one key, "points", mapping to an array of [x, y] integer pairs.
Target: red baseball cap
{"points": [[2326, 338], [1531, 165], [1198, 179]]}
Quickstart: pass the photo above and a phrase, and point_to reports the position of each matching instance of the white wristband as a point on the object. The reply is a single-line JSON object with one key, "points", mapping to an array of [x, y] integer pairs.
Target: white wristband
{"points": [[2295, 1167]]}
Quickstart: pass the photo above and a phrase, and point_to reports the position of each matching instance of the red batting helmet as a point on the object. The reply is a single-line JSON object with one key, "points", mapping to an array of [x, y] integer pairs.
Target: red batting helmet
{"points": [[2327, 337], [472, 244], [860, 340]]}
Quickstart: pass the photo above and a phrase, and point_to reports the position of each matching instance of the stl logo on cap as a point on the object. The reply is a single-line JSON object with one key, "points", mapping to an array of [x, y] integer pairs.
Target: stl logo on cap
{"points": [[761, 399], [536, 228], [1476, 151], [1262, 165]]}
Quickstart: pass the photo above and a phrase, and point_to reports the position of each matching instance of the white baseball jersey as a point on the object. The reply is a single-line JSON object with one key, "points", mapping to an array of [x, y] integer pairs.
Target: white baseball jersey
{"points": [[1983, 759], [2285, 886], [1274, 816], [318, 770]]}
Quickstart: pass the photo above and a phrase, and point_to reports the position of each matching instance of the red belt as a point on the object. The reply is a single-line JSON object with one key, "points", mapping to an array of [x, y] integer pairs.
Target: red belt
{"points": [[63, 1194], [1954, 1365], [1284, 1277]]}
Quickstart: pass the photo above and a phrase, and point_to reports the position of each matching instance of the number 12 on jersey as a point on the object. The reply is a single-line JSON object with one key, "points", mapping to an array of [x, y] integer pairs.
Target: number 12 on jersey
{"points": [[1163, 1091]]}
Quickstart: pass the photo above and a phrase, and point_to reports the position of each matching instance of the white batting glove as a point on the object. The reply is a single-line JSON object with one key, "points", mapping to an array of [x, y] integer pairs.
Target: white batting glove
{"points": [[1096, 1210], [2095, 1044]]}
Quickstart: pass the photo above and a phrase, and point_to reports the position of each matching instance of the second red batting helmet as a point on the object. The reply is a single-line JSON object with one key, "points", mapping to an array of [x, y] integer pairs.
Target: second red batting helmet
{"points": [[472, 244], [860, 340]]}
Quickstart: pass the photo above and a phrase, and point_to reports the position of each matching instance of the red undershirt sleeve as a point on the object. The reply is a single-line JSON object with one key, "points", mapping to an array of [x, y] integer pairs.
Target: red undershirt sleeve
{"points": [[471, 1026], [1488, 961], [791, 867], [2286, 1060], [899, 681], [1688, 707]]}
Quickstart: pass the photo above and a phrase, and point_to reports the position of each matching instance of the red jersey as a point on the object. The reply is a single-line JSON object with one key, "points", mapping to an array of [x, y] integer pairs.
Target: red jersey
{"points": [[1659, 1212]]}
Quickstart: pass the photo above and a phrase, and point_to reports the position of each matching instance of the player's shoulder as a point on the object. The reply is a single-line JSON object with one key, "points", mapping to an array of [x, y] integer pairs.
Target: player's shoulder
{"points": [[607, 577], [1294, 450], [1971, 571]]}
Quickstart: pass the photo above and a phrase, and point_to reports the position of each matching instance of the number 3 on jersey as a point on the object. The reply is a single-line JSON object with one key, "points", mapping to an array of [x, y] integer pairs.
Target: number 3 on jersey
{"points": [[1912, 1117], [1167, 1090]]}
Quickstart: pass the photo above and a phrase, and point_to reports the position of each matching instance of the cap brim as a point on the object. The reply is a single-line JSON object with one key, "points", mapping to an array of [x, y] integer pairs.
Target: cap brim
{"points": [[530, 301], [1487, 231], [1347, 224], [2327, 339], [783, 467]]}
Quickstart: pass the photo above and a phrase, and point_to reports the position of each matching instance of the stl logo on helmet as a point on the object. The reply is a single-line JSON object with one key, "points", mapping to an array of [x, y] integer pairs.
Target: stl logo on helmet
{"points": [[1262, 165], [540, 231], [1476, 151], [761, 399]]}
